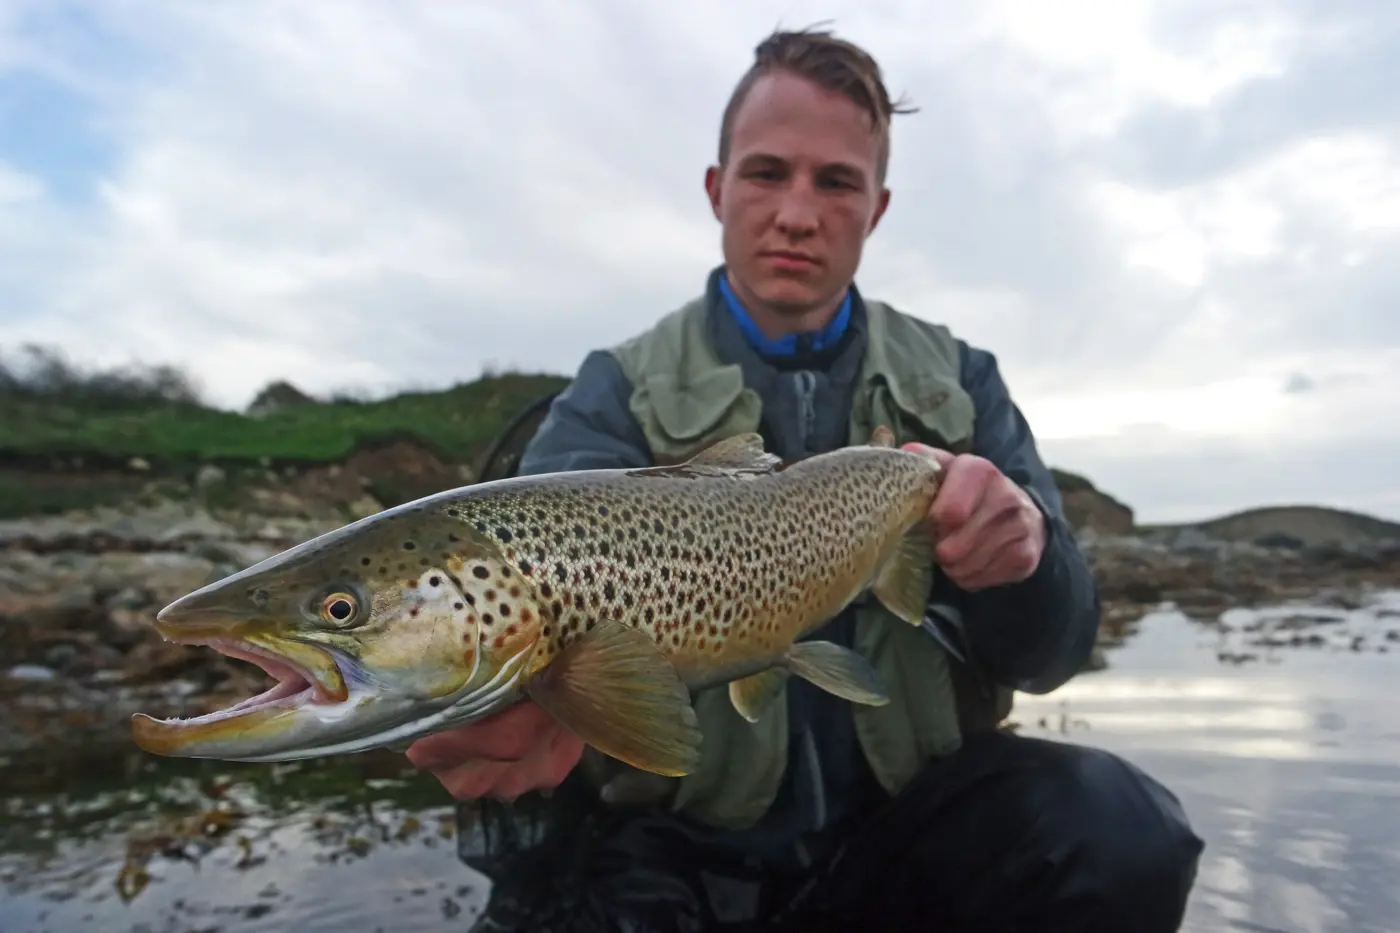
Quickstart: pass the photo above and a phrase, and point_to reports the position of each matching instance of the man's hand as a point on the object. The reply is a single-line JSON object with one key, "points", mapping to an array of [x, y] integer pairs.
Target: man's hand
{"points": [[505, 755], [989, 531]]}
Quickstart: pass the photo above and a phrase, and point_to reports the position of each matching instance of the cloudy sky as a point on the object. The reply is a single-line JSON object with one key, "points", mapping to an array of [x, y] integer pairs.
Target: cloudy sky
{"points": [[1176, 223]]}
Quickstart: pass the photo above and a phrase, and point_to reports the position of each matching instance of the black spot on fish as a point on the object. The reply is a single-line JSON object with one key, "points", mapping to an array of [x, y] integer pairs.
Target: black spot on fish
{"points": [[504, 535], [480, 572], [364, 561], [409, 545], [434, 581]]}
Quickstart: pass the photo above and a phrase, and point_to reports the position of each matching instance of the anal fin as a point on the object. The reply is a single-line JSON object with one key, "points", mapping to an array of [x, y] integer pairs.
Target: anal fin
{"points": [[614, 689], [906, 577], [838, 671], [751, 695]]}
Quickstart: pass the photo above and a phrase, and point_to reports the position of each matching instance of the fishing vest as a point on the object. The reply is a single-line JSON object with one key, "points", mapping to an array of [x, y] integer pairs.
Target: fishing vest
{"points": [[686, 399]]}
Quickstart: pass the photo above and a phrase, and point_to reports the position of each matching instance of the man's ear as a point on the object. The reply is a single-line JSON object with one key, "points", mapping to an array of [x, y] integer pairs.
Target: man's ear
{"points": [[713, 183]]}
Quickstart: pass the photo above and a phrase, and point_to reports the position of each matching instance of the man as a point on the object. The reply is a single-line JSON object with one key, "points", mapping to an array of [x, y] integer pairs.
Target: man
{"points": [[830, 816]]}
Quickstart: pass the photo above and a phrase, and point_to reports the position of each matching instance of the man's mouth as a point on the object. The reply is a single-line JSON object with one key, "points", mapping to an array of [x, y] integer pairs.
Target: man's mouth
{"points": [[789, 259], [305, 676]]}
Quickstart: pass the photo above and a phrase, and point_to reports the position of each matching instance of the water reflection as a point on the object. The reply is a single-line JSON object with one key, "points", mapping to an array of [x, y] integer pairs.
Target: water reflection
{"points": [[1284, 747], [127, 843], [1289, 765]]}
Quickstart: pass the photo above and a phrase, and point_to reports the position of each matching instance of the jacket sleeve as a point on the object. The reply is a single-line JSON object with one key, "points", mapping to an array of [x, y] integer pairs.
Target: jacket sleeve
{"points": [[589, 425], [1034, 635]]}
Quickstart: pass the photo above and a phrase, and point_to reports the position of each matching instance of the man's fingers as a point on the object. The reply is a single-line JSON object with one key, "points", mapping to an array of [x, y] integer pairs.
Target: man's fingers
{"points": [[942, 456], [984, 550], [506, 736], [472, 780], [547, 768], [984, 528], [961, 494]]}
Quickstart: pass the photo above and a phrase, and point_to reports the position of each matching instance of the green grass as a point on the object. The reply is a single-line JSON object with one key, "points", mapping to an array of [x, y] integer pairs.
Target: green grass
{"points": [[458, 422]]}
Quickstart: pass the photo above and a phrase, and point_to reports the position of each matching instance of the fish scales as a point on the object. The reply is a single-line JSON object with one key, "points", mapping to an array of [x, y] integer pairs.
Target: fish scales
{"points": [[714, 569]]}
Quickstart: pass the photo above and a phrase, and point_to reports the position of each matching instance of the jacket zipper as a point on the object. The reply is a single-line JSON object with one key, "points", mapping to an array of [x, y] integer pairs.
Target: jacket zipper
{"points": [[806, 405]]}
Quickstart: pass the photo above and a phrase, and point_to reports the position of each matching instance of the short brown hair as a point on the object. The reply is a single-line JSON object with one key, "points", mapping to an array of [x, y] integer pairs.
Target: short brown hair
{"points": [[840, 66]]}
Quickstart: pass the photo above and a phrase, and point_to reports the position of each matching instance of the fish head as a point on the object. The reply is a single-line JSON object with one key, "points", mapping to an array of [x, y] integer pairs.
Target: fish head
{"points": [[385, 630]]}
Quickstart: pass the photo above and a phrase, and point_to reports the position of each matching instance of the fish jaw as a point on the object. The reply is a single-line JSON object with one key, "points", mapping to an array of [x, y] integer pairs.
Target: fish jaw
{"points": [[311, 693], [325, 702]]}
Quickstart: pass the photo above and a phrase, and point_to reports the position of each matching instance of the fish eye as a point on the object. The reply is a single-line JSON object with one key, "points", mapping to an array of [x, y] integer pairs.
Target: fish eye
{"points": [[339, 608]]}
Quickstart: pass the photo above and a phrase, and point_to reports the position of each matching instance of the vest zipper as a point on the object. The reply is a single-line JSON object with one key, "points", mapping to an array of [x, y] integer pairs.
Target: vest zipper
{"points": [[806, 405]]}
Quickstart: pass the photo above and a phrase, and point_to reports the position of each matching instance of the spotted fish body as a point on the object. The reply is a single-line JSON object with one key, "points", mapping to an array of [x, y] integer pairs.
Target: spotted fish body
{"points": [[721, 573], [606, 596]]}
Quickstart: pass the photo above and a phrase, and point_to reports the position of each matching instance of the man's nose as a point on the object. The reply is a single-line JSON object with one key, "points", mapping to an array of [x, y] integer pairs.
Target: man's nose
{"points": [[797, 210]]}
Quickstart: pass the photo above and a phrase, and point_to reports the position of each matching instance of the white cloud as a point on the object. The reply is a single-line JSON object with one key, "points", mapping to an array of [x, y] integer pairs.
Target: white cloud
{"points": [[1130, 203]]}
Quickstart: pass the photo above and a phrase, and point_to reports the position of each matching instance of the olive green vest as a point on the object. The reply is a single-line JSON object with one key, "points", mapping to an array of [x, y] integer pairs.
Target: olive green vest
{"points": [[685, 399]]}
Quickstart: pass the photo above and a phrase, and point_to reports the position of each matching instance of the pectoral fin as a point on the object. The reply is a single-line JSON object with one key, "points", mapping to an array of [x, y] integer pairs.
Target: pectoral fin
{"points": [[906, 577], [751, 695], [838, 670], [613, 688]]}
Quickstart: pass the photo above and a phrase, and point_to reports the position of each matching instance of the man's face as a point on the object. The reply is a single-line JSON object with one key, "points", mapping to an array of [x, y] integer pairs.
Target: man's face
{"points": [[798, 196]]}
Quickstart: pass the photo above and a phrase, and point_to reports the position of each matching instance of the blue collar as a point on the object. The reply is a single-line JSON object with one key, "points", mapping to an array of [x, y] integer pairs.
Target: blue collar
{"points": [[793, 343]]}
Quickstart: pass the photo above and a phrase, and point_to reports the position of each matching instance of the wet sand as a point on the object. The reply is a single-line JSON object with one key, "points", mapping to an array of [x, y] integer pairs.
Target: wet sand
{"points": [[1283, 742]]}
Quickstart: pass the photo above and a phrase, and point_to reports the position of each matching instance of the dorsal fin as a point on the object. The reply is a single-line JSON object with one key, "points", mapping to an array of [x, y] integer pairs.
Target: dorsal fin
{"points": [[737, 456], [882, 436]]}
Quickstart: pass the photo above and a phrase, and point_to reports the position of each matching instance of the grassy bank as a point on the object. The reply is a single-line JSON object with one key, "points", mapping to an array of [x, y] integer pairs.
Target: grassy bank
{"points": [[112, 417]]}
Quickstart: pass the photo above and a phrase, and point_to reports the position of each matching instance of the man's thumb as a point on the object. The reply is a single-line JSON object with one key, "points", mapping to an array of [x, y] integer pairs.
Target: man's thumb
{"points": [[942, 456]]}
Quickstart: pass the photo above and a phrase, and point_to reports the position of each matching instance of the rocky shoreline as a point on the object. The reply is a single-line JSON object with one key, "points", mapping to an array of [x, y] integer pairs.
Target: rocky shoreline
{"points": [[78, 593]]}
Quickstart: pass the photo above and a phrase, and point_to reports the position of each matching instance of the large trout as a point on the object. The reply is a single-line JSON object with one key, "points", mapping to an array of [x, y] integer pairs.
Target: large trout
{"points": [[606, 596]]}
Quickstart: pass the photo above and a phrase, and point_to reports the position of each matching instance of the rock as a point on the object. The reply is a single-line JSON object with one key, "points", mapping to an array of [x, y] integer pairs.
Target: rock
{"points": [[1088, 508], [364, 507], [32, 672], [209, 475]]}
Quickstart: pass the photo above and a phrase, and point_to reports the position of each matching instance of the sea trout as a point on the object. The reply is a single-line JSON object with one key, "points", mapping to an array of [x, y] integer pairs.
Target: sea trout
{"points": [[605, 596]]}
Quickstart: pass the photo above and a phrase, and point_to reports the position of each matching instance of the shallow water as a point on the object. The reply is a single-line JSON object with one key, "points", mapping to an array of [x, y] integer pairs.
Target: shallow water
{"points": [[1289, 765]]}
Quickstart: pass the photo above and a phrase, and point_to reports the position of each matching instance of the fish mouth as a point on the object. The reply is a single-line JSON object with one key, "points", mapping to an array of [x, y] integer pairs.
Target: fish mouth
{"points": [[307, 677]]}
